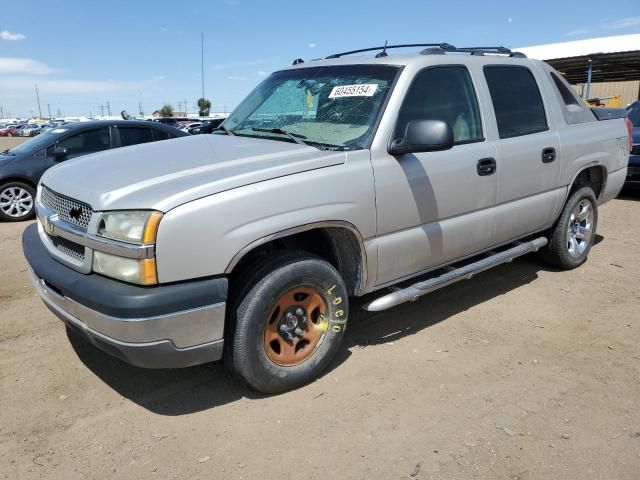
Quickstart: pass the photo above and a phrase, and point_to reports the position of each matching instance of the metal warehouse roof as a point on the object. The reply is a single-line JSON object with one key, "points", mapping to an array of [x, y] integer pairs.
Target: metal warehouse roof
{"points": [[613, 59]]}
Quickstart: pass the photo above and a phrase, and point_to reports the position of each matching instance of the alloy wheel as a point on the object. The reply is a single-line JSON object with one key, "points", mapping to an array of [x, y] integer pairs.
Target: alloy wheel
{"points": [[16, 202]]}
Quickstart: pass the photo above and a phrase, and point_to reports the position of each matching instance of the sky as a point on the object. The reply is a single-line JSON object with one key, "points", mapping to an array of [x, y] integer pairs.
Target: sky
{"points": [[83, 54]]}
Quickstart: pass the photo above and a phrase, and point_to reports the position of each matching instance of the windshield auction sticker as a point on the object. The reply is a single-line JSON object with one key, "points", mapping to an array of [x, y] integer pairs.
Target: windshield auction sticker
{"points": [[363, 90]]}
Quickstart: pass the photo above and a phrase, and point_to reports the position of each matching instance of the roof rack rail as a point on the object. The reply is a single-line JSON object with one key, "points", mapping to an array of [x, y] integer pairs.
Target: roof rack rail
{"points": [[475, 51], [431, 49], [384, 48]]}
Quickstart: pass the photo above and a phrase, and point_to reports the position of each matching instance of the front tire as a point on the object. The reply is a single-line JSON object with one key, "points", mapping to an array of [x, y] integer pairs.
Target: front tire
{"points": [[289, 323], [17, 202], [573, 235]]}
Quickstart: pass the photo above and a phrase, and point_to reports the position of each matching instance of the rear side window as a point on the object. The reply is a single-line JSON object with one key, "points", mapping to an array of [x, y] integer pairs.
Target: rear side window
{"points": [[160, 135], [516, 101], [134, 136], [443, 93]]}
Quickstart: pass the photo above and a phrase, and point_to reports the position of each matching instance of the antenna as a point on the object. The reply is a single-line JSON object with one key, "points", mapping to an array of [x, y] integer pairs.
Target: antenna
{"points": [[383, 53]]}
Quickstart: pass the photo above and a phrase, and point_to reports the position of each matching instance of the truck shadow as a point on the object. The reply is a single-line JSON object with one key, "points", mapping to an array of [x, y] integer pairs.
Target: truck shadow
{"points": [[631, 191], [189, 390]]}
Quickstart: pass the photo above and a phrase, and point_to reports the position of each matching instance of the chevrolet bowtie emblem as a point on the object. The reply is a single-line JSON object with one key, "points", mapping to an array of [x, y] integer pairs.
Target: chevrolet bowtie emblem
{"points": [[75, 213]]}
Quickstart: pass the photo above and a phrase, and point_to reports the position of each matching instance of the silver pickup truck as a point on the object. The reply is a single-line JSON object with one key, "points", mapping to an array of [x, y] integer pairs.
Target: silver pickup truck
{"points": [[333, 179]]}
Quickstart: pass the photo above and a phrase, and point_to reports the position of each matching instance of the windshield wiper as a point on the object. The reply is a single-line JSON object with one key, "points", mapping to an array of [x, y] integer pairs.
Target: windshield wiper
{"points": [[7, 152], [226, 130], [296, 137]]}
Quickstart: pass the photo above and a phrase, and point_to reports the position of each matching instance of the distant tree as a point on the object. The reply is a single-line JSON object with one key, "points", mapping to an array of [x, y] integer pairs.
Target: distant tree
{"points": [[166, 111], [204, 105]]}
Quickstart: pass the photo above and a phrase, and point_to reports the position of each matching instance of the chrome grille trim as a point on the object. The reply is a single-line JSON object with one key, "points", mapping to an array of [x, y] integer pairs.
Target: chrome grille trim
{"points": [[62, 206]]}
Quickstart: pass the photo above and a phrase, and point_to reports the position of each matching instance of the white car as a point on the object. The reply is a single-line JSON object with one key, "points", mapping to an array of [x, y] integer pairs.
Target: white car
{"points": [[30, 130]]}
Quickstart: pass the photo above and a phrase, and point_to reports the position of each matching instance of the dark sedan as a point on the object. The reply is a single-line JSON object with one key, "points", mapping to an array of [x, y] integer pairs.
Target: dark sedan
{"points": [[633, 172], [22, 166]]}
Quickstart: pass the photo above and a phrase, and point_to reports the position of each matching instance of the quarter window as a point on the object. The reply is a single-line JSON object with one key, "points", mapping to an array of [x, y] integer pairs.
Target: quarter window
{"points": [[565, 92], [447, 94], [516, 100]]}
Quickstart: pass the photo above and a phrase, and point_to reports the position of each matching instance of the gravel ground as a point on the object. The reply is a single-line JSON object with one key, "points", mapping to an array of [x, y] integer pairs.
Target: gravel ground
{"points": [[520, 373]]}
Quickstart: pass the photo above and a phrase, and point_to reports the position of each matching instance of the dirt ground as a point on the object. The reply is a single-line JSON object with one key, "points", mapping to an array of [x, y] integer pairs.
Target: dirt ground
{"points": [[520, 373]]}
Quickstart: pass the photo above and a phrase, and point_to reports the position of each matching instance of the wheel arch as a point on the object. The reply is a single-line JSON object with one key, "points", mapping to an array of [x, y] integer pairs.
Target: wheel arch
{"points": [[593, 175], [15, 178], [338, 242]]}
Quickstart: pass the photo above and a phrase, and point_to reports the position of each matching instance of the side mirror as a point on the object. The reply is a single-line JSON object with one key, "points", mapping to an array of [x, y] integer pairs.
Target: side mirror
{"points": [[423, 136], [59, 152]]}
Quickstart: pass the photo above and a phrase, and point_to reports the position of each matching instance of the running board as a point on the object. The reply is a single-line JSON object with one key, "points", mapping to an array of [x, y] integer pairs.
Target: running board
{"points": [[453, 275]]}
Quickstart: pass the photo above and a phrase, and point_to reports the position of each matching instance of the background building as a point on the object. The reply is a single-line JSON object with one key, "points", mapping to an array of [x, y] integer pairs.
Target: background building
{"points": [[597, 67]]}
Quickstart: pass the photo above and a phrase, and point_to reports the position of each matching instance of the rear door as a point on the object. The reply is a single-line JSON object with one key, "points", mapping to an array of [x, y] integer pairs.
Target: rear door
{"points": [[528, 152], [436, 206], [127, 135]]}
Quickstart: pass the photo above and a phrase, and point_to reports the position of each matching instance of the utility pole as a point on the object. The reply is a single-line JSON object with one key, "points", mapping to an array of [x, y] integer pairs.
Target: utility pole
{"points": [[49, 108], [109, 108], [59, 113], [1, 113], [202, 64], [186, 110], [140, 109], [102, 110], [38, 98]]}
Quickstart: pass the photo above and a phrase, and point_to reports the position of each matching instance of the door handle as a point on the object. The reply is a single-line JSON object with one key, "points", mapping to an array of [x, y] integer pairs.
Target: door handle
{"points": [[548, 155], [486, 166]]}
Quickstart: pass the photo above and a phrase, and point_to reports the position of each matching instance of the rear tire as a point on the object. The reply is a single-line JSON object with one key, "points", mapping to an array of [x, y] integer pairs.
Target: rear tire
{"points": [[573, 235], [289, 322]]}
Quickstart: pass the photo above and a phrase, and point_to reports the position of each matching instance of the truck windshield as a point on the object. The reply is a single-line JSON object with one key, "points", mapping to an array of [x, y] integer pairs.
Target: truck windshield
{"points": [[334, 107]]}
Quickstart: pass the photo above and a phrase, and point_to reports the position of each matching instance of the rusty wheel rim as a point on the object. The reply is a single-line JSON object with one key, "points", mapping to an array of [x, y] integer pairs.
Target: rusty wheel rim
{"points": [[295, 326]]}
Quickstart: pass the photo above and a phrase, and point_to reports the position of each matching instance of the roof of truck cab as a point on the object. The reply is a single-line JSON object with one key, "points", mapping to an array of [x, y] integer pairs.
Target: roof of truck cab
{"points": [[402, 60]]}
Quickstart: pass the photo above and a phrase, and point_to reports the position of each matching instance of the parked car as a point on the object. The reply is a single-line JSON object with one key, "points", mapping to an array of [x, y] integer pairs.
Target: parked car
{"points": [[633, 173], [9, 131], [332, 179], [22, 166], [189, 125], [172, 121], [207, 126], [30, 130]]}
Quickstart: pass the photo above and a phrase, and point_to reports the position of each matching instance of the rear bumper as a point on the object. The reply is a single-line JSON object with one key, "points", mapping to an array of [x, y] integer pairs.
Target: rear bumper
{"points": [[167, 326], [633, 170]]}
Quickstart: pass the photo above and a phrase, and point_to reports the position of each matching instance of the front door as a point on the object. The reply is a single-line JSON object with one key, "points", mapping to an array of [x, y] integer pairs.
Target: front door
{"points": [[81, 143], [437, 206]]}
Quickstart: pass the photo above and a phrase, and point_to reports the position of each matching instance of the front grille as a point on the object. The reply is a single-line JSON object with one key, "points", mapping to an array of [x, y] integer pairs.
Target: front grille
{"points": [[635, 150], [69, 248], [70, 210]]}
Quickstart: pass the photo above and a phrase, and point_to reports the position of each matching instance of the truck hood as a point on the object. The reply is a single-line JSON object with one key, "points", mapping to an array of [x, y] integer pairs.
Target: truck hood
{"points": [[165, 174]]}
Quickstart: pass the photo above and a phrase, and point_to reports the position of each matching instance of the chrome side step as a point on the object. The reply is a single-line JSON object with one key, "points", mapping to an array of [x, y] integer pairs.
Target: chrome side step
{"points": [[453, 275]]}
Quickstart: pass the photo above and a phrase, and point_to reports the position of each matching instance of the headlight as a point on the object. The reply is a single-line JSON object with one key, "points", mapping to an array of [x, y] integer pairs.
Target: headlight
{"points": [[142, 272], [132, 227], [138, 227]]}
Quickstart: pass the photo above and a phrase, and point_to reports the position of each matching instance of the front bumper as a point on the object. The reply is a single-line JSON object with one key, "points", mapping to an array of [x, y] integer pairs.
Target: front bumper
{"points": [[166, 326]]}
